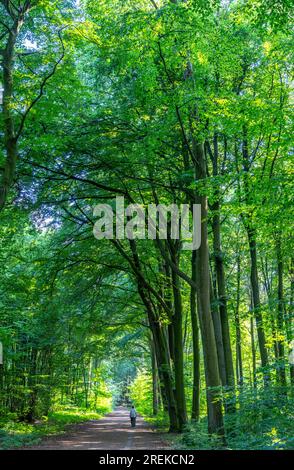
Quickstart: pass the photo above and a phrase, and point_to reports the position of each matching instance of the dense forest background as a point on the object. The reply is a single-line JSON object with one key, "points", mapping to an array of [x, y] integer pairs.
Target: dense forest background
{"points": [[160, 102]]}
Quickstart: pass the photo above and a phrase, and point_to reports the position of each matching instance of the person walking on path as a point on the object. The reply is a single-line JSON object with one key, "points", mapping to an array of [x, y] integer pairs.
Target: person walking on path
{"points": [[133, 416]]}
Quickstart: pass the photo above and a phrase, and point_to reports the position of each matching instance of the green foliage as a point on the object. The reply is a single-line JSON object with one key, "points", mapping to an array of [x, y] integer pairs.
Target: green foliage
{"points": [[134, 89], [263, 421], [140, 394], [15, 434]]}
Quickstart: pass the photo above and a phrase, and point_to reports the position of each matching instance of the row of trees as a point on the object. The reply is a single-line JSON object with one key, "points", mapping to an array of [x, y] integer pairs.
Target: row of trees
{"points": [[183, 102]]}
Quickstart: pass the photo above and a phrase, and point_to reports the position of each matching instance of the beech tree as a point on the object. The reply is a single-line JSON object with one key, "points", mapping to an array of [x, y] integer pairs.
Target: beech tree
{"points": [[159, 102]]}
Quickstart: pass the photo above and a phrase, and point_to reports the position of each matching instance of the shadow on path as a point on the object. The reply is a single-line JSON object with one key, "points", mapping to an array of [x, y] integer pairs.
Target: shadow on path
{"points": [[111, 432]]}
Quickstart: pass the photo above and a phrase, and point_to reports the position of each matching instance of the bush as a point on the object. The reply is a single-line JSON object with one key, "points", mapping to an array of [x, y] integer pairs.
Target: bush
{"points": [[263, 421]]}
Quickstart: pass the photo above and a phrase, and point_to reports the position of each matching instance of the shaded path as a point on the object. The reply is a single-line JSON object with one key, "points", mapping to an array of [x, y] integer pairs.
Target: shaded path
{"points": [[112, 432]]}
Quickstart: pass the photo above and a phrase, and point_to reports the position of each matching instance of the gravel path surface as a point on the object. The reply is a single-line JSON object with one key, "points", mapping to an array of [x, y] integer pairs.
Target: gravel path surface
{"points": [[111, 432]]}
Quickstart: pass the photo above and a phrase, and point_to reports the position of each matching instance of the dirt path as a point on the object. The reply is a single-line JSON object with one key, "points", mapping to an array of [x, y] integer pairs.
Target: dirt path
{"points": [[112, 432]]}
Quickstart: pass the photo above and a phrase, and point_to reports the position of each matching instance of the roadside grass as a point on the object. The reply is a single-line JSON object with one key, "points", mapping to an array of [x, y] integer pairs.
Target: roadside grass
{"points": [[14, 434], [159, 422]]}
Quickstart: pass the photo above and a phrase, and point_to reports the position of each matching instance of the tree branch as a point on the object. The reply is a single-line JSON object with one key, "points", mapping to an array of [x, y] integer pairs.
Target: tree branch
{"points": [[43, 84]]}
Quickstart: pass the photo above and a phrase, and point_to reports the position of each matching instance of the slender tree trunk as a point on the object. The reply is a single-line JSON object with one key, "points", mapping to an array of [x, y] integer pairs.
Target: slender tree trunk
{"points": [[280, 319], [154, 379], [220, 275], [166, 374], [251, 234], [214, 405], [10, 137], [168, 301], [32, 401], [256, 301], [289, 320], [163, 360], [218, 336], [178, 348], [195, 342], [159, 337], [194, 311], [10, 141], [239, 362], [253, 352]]}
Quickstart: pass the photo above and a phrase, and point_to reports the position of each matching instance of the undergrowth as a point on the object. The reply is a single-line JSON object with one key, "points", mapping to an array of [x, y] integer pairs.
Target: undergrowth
{"points": [[14, 434]]}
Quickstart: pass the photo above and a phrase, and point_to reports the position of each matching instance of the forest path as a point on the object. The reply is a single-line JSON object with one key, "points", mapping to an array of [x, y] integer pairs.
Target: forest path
{"points": [[111, 432]]}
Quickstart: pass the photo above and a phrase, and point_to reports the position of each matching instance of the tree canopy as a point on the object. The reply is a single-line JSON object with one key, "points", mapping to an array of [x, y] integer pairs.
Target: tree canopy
{"points": [[158, 102]]}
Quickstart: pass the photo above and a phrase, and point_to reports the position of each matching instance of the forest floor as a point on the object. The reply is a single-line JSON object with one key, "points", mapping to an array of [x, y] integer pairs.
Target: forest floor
{"points": [[111, 432]]}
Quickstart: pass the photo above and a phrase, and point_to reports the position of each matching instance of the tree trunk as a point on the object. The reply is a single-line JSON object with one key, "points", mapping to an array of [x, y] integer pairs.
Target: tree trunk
{"points": [[166, 373], [154, 380], [195, 342], [289, 320], [218, 336], [253, 352], [280, 318], [10, 141], [178, 348], [214, 405], [256, 301], [163, 360], [239, 362], [251, 234], [220, 276], [10, 138]]}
